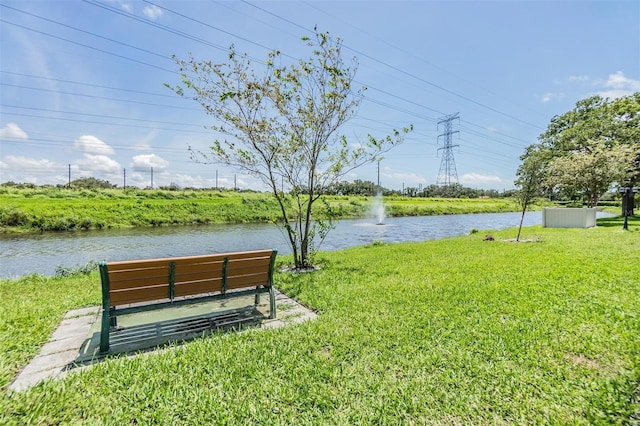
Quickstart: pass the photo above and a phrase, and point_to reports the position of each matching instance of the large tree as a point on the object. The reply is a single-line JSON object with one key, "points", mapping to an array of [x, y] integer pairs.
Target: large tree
{"points": [[281, 124], [593, 146], [589, 173]]}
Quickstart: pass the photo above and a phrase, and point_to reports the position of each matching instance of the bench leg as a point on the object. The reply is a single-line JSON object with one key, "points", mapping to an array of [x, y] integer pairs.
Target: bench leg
{"points": [[104, 332], [257, 297], [272, 303]]}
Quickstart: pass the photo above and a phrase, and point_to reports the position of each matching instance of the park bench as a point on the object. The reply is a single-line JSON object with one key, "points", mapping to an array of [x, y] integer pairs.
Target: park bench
{"points": [[142, 285]]}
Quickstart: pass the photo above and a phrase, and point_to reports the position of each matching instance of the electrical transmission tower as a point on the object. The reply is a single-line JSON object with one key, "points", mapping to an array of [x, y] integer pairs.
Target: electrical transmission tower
{"points": [[447, 173]]}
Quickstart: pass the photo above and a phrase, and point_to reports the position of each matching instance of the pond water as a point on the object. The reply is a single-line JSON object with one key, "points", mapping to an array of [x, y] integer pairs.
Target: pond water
{"points": [[42, 253]]}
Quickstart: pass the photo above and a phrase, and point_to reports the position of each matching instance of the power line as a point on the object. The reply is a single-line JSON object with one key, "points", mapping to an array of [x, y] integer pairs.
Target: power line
{"points": [[208, 25], [93, 85], [102, 122], [87, 32], [99, 115], [155, 25], [186, 35], [67, 142], [99, 97], [182, 34], [88, 47], [405, 51], [308, 30], [408, 112], [402, 71]]}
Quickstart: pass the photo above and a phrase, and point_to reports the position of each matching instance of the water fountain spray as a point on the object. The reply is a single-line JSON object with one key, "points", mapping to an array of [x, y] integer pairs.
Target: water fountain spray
{"points": [[378, 210]]}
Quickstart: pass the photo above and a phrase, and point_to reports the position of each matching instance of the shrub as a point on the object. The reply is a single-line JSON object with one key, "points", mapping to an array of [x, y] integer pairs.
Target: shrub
{"points": [[65, 271], [13, 217], [85, 224]]}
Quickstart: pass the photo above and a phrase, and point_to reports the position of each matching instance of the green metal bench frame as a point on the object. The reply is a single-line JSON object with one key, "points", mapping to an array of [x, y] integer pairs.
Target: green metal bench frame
{"points": [[149, 284]]}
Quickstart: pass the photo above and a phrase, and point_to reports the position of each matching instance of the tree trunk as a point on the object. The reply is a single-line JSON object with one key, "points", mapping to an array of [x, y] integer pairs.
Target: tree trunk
{"points": [[524, 210], [521, 220], [628, 201]]}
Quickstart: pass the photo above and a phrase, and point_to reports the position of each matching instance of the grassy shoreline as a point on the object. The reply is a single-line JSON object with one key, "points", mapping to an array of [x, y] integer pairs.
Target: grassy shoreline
{"points": [[453, 331], [38, 210]]}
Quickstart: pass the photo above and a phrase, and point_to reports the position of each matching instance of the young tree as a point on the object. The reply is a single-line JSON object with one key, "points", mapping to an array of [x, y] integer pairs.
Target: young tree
{"points": [[530, 174], [282, 126]]}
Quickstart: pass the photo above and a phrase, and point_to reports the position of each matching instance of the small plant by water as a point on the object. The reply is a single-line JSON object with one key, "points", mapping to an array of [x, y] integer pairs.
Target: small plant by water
{"points": [[86, 269]]}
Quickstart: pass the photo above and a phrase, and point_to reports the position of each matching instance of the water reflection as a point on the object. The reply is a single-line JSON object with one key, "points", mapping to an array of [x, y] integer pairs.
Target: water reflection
{"points": [[43, 252]]}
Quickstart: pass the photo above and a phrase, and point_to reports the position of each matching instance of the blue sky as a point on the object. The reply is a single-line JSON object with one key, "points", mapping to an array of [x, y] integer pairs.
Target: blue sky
{"points": [[82, 82]]}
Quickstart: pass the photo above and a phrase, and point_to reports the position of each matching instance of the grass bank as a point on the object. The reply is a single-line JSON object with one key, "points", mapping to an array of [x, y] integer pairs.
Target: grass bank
{"points": [[456, 331], [57, 209]]}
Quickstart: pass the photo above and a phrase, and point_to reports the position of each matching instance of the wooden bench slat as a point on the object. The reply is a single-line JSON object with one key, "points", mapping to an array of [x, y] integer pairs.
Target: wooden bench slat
{"points": [[130, 265], [139, 274], [211, 257], [141, 284], [199, 268], [191, 288], [212, 262], [137, 295], [245, 269], [240, 281], [262, 260], [248, 254]]}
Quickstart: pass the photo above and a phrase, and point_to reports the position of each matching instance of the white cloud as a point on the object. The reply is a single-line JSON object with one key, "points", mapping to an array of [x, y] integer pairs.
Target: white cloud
{"points": [[25, 163], [478, 179], [92, 145], [30, 170], [96, 164], [144, 144], [548, 97], [617, 86], [408, 178], [152, 12], [13, 131], [578, 78], [141, 147], [146, 161], [200, 182], [123, 5]]}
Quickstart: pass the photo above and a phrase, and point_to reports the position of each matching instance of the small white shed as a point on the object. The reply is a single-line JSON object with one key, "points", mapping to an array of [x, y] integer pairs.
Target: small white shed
{"points": [[568, 217]]}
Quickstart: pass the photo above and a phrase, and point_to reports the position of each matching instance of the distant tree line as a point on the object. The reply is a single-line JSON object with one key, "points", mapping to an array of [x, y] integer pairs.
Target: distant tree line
{"points": [[91, 183], [82, 183], [357, 187], [368, 188]]}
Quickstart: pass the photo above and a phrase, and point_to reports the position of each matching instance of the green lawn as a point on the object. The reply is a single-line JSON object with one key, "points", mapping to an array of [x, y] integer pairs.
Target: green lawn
{"points": [[456, 331]]}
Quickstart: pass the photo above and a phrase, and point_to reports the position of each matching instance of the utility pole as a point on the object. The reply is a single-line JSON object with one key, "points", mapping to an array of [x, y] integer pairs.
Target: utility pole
{"points": [[447, 173], [124, 179], [216, 179], [152, 178], [69, 175], [378, 175]]}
